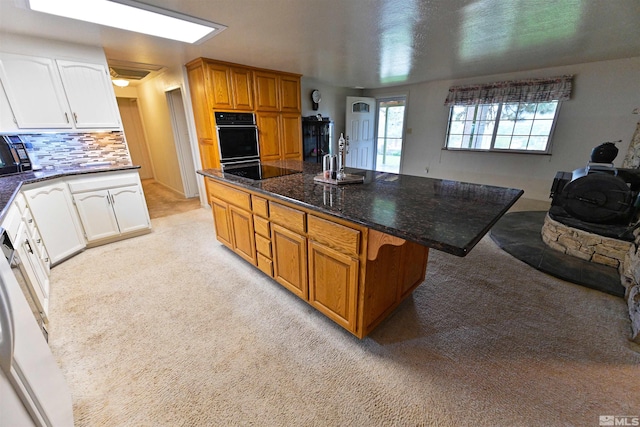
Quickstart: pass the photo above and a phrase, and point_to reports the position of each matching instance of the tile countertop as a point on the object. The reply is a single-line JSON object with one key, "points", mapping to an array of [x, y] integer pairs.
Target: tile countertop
{"points": [[10, 185], [450, 216]]}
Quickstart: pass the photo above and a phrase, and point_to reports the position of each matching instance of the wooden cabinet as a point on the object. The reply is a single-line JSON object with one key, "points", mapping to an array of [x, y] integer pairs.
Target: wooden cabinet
{"points": [[60, 94], [280, 136], [272, 95], [110, 207], [58, 224], [353, 275]]}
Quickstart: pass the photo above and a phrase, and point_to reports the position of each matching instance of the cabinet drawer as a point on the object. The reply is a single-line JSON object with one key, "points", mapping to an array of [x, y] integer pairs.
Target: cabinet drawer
{"points": [[261, 226], [230, 195], [336, 236], [260, 206], [265, 265], [103, 181], [263, 246], [290, 218]]}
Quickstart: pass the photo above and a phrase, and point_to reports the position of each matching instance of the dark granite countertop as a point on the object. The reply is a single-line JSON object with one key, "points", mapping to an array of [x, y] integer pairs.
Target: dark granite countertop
{"points": [[446, 215], [10, 185]]}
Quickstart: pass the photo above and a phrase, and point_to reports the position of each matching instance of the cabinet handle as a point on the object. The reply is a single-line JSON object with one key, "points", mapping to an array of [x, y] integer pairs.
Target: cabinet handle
{"points": [[30, 220], [66, 117], [26, 242], [75, 117], [113, 201], [38, 241]]}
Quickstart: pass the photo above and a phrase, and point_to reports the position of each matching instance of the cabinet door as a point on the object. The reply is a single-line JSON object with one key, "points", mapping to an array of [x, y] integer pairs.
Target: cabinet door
{"points": [[290, 94], [33, 269], [269, 135], [57, 221], [290, 260], [266, 85], [242, 233], [291, 140], [221, 222], [34, 91], [96, 214], [130, 208], [90, 94], [333, 284], [219, 86], [242, 84]]}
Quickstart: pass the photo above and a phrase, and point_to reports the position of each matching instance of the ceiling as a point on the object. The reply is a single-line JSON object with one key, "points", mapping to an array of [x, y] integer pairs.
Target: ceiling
{"points": [[370, 43]]}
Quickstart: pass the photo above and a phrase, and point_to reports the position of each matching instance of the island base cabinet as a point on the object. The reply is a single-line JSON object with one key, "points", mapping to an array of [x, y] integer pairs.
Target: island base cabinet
{"points": [[290, 260], [333, 285], [221, 222], [234, 229]]}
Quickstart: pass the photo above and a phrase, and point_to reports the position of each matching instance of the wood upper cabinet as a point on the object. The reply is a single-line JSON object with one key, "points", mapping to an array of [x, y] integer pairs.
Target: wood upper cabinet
{"points": [[267, 97], [242, 86], [277, 92], [269, 135], [219, 86], [290, 94], [291, 136]]}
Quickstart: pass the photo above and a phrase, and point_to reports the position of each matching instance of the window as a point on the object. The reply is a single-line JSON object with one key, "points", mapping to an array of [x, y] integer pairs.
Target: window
{"points": [[502, 126], [514, 116]]}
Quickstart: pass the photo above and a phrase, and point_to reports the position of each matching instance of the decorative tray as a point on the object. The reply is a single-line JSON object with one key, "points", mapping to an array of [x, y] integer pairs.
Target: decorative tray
{"points": [[348, 179]]}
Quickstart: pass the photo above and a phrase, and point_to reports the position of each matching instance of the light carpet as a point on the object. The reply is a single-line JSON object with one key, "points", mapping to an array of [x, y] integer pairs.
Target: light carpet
{"points": [[172, 329]]}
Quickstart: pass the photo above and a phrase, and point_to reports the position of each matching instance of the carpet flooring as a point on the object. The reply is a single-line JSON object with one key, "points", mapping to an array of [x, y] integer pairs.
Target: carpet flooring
{"points": [[172, 329]]}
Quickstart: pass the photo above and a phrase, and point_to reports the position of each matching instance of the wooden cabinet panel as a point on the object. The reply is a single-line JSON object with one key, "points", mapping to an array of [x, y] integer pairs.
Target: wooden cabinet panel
{"points": [[260, 206], [263, 245], [290, 94], [261, 226], [221, 222], [201, 112], [288, 217], [291, 136], [336, 236], [265, 265], [269, 135], [266, 86], [290, 260], [219, 86], [231, 195], [242, 85], [242, 234], [333, 284]]}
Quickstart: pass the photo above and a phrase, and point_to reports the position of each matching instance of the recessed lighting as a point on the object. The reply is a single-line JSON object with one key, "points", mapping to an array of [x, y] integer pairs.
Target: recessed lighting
{"points": [[132, 16], [120, 82]]}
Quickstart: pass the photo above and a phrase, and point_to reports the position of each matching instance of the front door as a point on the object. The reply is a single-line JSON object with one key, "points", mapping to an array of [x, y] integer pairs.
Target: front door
{"points": [[360, 124]]}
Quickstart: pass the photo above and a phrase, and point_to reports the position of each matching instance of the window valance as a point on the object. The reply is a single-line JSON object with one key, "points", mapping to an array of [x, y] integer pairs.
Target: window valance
{"points": [[532, 90]]}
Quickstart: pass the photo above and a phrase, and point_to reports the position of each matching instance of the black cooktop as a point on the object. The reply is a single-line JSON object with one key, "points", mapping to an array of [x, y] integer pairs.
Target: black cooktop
{"points": [[258, 171]]}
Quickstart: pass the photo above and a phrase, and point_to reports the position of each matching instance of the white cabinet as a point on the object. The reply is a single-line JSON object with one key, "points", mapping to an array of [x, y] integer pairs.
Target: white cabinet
{"points": [[110, 206], [60, 94], [34, 91], [58, 224], [91, 97]]}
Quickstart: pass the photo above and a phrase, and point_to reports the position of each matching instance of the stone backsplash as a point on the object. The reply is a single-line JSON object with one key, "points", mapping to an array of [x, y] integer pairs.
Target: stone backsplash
{"points": [[71, 150]]}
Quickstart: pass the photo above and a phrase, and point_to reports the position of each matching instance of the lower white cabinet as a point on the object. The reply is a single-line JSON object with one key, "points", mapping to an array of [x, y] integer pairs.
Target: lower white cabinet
{"points": [[110, 206], [59, 227]]}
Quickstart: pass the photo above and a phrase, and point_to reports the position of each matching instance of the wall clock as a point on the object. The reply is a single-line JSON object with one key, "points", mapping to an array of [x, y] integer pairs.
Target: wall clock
{"points": [[315, 98]]}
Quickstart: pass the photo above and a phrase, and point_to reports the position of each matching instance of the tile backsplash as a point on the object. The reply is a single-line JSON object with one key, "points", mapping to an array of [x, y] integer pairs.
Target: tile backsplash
{"points": [[67, 150]]}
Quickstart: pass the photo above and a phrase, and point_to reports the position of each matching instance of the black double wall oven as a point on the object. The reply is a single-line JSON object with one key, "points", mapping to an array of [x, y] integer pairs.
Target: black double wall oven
{"points": [[237, 138]]}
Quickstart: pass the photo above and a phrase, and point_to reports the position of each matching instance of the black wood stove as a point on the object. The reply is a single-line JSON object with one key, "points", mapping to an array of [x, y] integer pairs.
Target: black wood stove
{"points": [[599, 198]]}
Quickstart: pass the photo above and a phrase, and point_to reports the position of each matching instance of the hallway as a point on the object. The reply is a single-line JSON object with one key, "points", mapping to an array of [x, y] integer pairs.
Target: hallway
{"points": [[162, 201]]}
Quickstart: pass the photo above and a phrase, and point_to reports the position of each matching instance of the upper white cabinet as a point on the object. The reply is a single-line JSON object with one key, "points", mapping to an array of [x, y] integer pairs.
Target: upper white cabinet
{"points": [[90, 95], [60, 94]]}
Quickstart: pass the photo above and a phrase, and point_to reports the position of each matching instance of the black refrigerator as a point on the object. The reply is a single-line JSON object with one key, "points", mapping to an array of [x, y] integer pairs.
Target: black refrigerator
{"points": [[316, 138]]}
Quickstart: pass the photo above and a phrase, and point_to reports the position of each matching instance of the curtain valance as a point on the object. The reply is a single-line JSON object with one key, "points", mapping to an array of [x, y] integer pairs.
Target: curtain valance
{"points": [[532, 90]]}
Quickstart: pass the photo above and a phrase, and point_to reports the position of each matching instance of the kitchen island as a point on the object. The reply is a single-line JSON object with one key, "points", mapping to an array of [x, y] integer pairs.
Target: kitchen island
{"points": [[353, 252]]}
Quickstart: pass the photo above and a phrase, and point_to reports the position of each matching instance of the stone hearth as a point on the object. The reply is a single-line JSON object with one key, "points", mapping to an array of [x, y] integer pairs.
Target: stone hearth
{"points": [[623, 255]]}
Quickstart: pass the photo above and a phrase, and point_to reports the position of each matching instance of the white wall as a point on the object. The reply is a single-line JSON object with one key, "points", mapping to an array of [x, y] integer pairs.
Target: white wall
{"points": [[604, 96], [156, 118]]}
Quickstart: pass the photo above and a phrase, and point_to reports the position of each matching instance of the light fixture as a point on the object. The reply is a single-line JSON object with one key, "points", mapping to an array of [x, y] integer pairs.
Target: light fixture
{"points": [[120, 82], [133, 16]]}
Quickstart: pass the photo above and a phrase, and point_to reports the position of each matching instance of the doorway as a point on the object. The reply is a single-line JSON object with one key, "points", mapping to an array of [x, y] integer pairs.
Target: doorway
{"points": [[390, 133], [183, 146], [360, 124], [135, 136]]}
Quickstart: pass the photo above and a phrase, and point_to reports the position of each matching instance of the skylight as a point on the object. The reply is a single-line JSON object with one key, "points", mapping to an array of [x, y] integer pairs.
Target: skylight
{"points": [[132, 16]]}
